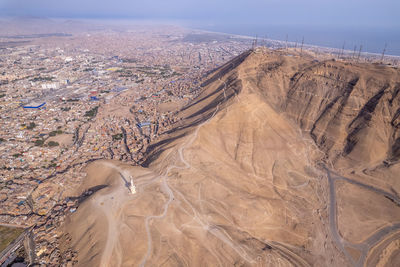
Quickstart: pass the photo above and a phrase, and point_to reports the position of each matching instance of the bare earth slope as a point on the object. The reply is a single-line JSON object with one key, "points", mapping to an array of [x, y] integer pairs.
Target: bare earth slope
{"points": [[281, 161]]}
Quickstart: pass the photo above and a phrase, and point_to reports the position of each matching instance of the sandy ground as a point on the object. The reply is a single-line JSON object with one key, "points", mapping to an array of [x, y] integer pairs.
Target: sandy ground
{"points": [[62, 139], [244, 179], [361, 212], [171, 106]]}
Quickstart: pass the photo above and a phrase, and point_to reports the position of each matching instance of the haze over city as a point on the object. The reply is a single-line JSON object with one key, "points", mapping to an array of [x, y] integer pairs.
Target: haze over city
{"points": [[329, 23], [199, 133]]}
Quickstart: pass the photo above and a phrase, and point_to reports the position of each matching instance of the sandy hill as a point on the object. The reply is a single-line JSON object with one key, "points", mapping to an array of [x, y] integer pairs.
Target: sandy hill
{"points": [[282, 160]]}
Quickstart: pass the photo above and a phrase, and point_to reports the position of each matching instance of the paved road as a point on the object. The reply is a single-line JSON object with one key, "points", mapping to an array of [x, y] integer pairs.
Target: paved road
{"points": [[369, 243], [8, 251], [14, 225]]}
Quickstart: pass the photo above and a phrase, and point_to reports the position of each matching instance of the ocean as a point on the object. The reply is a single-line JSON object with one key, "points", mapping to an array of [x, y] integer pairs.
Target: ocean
{"points": [[372, 39]]}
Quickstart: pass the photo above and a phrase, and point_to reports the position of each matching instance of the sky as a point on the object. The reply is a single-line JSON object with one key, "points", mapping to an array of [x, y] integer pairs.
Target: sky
{"points": [[382, 13], [371, 23]]}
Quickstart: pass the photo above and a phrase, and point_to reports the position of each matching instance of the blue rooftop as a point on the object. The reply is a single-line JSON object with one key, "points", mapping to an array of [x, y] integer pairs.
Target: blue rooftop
{"points": [[35, 106]]}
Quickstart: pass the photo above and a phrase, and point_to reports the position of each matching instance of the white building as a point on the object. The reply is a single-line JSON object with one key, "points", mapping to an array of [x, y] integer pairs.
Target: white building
{"points": [[50, 85]]}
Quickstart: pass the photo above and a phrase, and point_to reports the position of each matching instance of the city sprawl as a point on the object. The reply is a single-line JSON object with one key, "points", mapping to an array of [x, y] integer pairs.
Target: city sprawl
{"points": [[67, 100]]}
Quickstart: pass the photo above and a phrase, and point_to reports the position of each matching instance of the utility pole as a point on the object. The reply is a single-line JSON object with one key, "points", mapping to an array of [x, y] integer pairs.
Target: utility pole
{"points": [[342, 51], [354, 52], [359, 52], [286, 42], [302, 43], [383, 52], [255, 45], [262, 42], [295, 46]]}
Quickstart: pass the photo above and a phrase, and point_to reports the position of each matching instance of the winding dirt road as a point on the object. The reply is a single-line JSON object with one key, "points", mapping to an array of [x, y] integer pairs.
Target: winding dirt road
{"points": [[205, 225], [167, 189]]}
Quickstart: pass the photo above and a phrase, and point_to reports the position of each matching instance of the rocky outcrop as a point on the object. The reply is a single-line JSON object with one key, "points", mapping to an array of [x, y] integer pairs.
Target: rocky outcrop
{"points": [[350, 110]]}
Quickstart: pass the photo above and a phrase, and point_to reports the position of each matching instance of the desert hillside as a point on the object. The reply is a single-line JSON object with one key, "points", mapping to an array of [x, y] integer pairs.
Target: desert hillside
{"points": [[282, 160]]}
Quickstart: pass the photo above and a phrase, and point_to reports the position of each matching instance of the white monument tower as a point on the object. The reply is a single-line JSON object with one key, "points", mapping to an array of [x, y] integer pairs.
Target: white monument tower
{"points": [[132, 187]]}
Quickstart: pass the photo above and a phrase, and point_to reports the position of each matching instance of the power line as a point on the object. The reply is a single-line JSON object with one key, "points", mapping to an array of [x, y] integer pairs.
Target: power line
{"points": [[354, 53], [302, 43], [359, 52], [286, 42], [342, 51]]}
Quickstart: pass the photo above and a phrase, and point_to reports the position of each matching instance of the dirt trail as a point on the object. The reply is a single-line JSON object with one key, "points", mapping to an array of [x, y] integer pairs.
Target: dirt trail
{"points": [[111, 205], [166, 187]]}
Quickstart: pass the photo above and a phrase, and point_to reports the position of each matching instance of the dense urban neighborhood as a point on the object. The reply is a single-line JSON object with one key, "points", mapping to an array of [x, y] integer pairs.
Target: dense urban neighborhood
{"points": [[69, 99]]}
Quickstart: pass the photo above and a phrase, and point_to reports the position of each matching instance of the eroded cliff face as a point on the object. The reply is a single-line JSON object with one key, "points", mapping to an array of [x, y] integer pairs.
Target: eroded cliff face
{"points": [[350, 110]]}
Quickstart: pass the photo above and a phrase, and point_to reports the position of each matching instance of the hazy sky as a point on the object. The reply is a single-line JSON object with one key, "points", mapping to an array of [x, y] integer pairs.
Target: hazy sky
{"points": [[381, 13], [371, 23]]}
